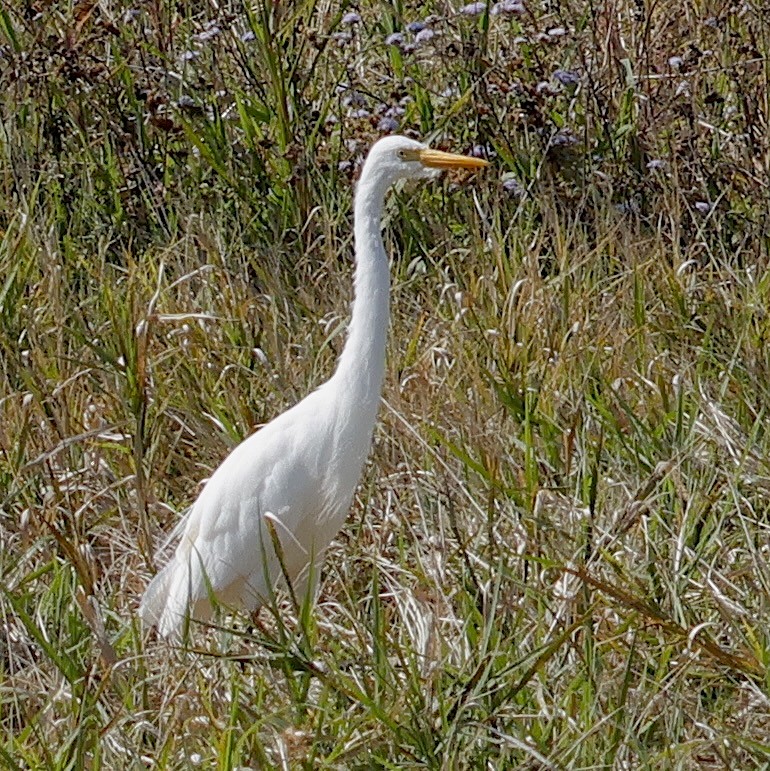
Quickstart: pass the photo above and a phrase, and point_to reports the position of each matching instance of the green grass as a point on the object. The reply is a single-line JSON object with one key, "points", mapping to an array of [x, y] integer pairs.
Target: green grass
{"points": [[558, 555]]}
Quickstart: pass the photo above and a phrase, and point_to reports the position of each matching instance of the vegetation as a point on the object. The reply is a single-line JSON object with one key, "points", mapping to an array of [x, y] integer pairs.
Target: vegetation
{"points": [[558, 557]]}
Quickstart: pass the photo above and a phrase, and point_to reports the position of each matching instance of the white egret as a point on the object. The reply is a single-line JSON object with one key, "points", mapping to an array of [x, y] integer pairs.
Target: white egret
{"points": [[300, 471]]}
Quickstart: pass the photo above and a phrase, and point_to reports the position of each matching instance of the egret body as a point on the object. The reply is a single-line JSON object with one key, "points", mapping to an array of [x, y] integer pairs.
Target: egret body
{"points": [[300, 471]]}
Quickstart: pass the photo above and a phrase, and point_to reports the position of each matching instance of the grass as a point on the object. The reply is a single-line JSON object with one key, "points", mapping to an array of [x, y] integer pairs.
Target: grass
{"points": [[558, 555]]}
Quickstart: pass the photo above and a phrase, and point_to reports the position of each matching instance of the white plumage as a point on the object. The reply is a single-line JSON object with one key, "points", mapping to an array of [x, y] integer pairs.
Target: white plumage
{"points": [[300, 470]]}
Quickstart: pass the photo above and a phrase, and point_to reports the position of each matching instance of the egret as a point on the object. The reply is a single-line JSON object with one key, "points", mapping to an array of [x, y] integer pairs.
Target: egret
{"points": [[273, 506]]}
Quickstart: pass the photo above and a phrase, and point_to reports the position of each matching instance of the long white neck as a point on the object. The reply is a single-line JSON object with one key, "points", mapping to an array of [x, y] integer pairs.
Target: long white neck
{"points": [[361, 366]]}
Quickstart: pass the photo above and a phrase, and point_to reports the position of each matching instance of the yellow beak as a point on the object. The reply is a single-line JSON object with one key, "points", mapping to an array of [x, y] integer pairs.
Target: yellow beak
{"points": [[436, 159]]}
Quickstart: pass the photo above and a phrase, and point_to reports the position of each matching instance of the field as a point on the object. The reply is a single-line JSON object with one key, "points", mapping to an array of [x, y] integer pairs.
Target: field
{"points": [[558, 554]]}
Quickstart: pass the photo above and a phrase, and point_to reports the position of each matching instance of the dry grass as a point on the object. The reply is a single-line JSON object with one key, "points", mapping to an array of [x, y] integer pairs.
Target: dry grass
{"points": [[558, 554]]}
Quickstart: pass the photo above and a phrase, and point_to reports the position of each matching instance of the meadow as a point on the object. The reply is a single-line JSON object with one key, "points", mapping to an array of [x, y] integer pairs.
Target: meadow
{"points": [[558, 555]]}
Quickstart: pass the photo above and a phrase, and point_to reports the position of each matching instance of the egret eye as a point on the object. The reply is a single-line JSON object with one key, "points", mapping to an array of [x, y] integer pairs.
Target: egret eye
{"points": [[402, 154]]}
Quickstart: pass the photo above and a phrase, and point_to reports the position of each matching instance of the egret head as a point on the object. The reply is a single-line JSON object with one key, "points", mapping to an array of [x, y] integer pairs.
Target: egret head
{"points": [[396, 157]]}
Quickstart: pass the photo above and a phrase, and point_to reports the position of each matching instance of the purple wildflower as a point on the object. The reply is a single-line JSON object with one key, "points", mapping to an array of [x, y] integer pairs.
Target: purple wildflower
{"points": [[567, 78], [395, 111], [353, 98], [564, 138], [507, 7], [513, 187], [388, 125], [473, 9], [207, 34], [416, 26]]}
